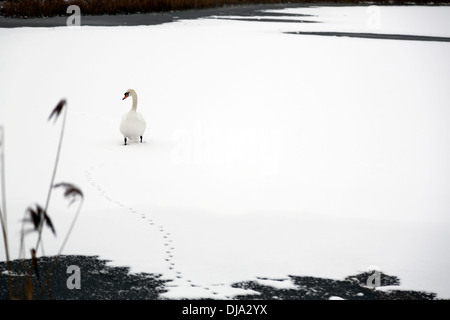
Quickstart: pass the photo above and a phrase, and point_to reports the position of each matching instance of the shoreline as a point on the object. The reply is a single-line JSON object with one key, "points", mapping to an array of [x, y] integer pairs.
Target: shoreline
{"points": [[156, 18], [100, 281]]}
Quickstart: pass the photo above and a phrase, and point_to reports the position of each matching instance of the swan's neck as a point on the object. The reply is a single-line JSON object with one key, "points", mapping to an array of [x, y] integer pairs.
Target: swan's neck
{"points": [[134, 98]]}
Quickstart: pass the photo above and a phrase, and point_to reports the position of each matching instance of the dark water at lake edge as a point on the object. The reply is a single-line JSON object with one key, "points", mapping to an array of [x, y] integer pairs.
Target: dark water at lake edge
{"points": [[138, 19], [253, 13]]}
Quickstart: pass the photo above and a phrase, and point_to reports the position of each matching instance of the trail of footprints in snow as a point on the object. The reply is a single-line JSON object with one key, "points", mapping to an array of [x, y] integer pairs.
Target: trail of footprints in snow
{"points": [[167, 241]]}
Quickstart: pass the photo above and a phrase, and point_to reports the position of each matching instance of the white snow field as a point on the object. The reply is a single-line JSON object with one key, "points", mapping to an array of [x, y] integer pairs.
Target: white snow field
{"points": [[266, 154]]}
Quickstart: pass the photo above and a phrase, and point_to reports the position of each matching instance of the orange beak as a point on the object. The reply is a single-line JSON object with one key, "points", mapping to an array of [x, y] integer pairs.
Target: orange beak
{"points": [[126, 96]]}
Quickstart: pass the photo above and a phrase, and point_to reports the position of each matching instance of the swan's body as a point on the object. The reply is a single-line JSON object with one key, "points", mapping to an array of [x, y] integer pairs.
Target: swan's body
{"points": [[133, 124]]}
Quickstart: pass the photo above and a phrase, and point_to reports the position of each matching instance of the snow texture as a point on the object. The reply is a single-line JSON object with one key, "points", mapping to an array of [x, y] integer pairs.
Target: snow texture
{"points": [[266, 154]]}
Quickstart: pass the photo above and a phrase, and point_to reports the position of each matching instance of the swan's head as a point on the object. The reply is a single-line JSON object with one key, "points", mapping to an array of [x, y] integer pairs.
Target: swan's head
{"points": [[127, 93]]}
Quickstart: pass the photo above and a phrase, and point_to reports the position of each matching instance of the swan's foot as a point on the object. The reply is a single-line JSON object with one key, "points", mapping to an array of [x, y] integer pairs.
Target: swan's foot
{"points": [[141, 139], [125, 139]]}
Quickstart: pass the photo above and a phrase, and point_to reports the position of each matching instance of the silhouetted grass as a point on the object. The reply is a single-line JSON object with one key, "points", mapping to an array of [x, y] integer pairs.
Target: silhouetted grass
{"points": [[35, 217], [3, 216], [47, 8]]}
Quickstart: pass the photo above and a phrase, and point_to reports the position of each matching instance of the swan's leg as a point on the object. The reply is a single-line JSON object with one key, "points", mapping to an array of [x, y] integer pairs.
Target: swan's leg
{"points": [[141, 139], [125, 139]]}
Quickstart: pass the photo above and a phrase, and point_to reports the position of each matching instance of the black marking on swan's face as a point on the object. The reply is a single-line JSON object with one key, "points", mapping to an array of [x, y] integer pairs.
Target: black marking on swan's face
{"points": [[126, 94]]}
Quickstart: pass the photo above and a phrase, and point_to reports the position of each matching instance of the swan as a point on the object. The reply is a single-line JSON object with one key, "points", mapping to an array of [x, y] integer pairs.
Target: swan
{"points": [[133, 124]]}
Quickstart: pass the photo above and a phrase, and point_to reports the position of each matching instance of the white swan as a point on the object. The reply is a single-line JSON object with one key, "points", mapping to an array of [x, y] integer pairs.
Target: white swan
{"points": [[133, 124]]}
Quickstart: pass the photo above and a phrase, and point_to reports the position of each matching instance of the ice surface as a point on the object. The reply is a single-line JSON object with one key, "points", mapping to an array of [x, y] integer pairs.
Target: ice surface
{"points": [[266, 154]]}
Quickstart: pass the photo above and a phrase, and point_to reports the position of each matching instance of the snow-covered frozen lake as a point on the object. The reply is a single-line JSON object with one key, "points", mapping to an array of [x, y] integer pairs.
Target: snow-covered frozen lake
{"points": [[266, 154]]}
